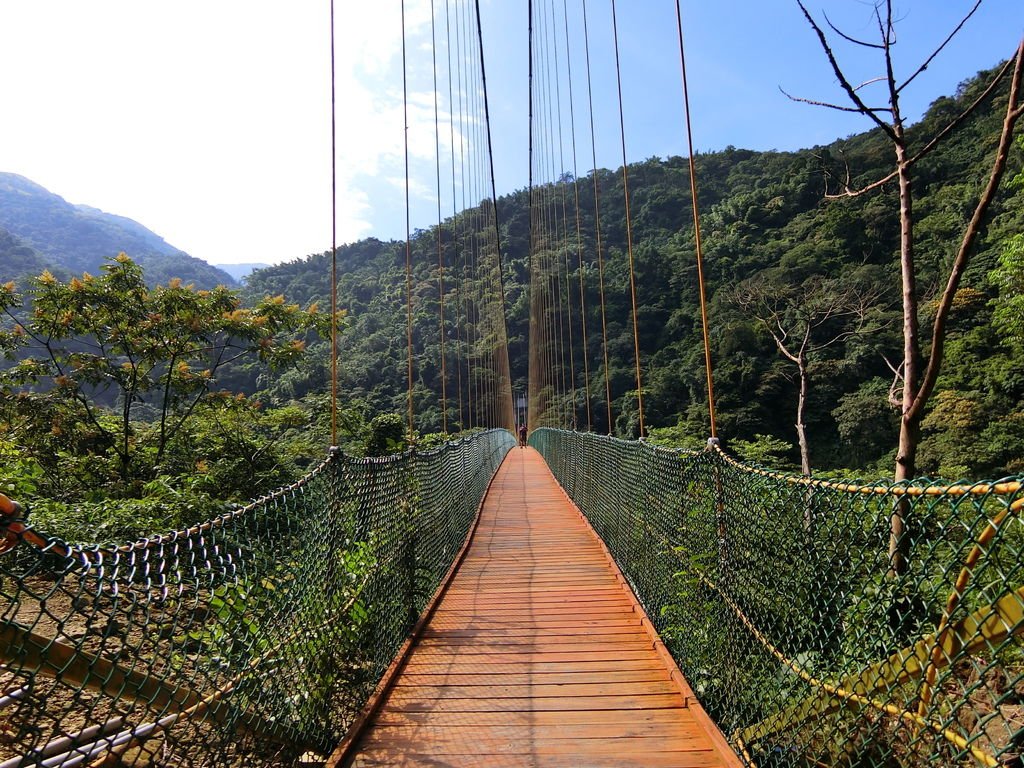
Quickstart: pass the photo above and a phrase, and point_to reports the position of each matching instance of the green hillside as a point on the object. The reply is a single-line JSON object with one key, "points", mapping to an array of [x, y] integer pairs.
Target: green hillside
{"points": [[72, 239], [765, 218]]}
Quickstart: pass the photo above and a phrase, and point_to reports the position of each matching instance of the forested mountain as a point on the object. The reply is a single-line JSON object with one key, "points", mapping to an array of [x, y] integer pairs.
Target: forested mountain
{"points": [[767, 225], [72, 239]]}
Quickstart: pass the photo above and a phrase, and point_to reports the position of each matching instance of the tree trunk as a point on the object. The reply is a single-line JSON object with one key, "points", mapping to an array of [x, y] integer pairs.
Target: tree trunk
{"points": [[805, 448], [801, 411], [910, 421]]}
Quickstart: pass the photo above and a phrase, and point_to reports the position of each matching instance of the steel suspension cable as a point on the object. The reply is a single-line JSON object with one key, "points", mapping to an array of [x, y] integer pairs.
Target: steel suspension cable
{"points": [[571, 390], [334, 250], [440, 252], [506, 393], [472, 400], [597, 224], [479, 229], [408, 228], [484, 318], [533, 378], [629, 228], [696, 229], [455, 215], [552, 313], [579, 229]]}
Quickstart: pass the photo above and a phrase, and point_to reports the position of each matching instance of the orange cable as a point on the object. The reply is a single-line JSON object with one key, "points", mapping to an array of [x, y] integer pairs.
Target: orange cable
{"points": [[504, 396], [408, 230], [565, 321], [334, 250], [440, 253], [579, 233], [696, 230], [597, 227], [455, 216], [629, 229]]}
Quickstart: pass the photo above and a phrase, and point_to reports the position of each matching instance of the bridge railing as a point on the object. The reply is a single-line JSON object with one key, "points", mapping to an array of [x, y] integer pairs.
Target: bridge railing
{"points": [[252, 639], [776, 596]]}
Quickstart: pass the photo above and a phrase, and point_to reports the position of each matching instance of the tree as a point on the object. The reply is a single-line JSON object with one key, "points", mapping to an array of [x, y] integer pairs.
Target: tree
{"points": [[803, 321], [1008, 277], [116, 350], [917, 371]]}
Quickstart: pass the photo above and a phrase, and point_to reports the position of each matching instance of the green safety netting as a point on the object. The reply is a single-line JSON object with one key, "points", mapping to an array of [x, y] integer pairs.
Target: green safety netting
{"points": [[252, 639], [779, 600]]}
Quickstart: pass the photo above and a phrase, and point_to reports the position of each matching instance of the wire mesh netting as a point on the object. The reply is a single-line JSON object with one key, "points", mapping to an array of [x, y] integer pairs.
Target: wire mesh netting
{"points": [[253, 639], [782, 605]]}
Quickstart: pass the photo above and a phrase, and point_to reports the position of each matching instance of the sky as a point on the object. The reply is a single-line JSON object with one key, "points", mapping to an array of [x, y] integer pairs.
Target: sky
{"points": [[208, 121]]}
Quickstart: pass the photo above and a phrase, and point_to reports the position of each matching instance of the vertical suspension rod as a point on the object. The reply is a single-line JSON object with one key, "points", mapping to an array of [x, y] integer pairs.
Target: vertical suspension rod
{"points": [[455, 215], [504, 361], [440, 251], [597, 225], [579, 229], [571, 389], [334, 251], [696, 230], [408, 229], [629, 228], [533, 379]]}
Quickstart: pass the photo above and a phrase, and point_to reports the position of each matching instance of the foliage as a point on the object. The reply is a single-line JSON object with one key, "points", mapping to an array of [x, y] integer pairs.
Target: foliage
{"points": [[763, 449], [20, 475], [113, 415], [386, 435], [763, 217], [675, 436], [1008, 315]]}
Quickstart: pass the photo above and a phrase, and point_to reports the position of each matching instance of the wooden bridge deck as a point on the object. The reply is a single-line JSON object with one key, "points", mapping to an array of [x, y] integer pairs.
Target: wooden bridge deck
{"points": [[537, 654]]}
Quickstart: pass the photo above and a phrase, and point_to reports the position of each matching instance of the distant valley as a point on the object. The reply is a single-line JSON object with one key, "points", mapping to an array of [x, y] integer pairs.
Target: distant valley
{"points": [[243, 270], [41, 230]]}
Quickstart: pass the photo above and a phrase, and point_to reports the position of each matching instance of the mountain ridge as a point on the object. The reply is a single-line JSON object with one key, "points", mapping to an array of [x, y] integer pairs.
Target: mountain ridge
{"points": [[70, 238]]}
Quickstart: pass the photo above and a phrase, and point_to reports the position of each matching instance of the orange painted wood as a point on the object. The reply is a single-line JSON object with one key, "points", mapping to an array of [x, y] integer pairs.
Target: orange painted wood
{"points": [[537, 655]]}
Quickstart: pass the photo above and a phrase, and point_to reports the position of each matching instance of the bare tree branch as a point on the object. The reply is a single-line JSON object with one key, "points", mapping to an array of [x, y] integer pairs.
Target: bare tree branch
{"points": [[846, 37], [896, 388], [936, 52], [1014, 110], [838, 107], [870, 82], [888, 39], [843, 81], [927, 148]]}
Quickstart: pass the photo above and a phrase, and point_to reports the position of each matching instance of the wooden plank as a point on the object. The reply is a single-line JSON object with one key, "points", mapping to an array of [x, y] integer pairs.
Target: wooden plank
{"points": [[503, 609], [445, 622], [583, 666], [507, 690], [624, 728], [492, 745], [537, 655], [535, 678], [502, 630], [597, 719], [484, 643], [529, 656], [642, 760], [621, 703]]}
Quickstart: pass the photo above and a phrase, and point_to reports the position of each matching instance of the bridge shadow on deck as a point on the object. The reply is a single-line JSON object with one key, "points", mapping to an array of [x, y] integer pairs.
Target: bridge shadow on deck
{"points": [[538, 655]]}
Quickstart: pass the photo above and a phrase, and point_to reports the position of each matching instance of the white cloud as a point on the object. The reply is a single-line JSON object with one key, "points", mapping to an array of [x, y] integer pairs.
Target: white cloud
{"points": [[210, 122]]}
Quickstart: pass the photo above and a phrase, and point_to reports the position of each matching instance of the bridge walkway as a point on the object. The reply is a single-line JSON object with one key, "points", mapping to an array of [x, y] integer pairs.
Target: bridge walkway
{"points": [[537, 654]]}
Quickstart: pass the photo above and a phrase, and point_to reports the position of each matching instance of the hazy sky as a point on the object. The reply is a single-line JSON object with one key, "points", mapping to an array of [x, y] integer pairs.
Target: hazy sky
{"points": [[208, 121]]}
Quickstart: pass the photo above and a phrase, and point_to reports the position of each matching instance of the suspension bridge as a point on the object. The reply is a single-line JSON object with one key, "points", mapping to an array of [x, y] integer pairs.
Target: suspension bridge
{"points": [[581, 601]]}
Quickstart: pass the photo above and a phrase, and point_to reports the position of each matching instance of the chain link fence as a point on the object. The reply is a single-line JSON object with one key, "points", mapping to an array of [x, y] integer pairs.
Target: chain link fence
{"points": [[778, 598], [252, 639]]}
